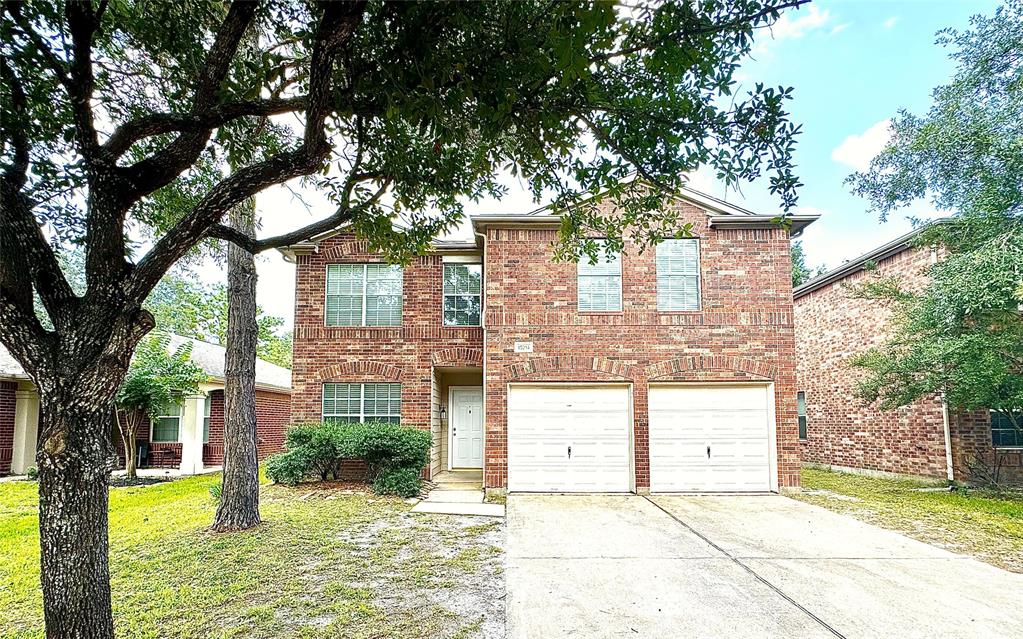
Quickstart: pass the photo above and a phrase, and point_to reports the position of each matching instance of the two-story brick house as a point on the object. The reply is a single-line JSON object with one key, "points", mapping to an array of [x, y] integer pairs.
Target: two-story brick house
{"points": [[667, 370]]}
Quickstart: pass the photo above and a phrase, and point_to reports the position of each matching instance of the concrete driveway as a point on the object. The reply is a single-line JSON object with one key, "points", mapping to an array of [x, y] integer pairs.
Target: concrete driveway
{"points": [[738, 566]]}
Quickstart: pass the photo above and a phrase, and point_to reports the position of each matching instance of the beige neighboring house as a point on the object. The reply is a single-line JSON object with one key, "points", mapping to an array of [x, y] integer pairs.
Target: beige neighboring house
{"points": [[189, 437]]}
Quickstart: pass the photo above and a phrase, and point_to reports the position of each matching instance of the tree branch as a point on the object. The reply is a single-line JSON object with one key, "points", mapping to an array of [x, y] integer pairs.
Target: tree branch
{"points": [[82, 23], [337, 24], [160, 123]]}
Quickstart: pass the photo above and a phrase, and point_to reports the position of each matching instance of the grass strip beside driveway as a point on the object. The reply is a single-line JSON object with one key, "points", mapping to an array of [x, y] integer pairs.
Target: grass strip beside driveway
{"points": [[986, 525]]}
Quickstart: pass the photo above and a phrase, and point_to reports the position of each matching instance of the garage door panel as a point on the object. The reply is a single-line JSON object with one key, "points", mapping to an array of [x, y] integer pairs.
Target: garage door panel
{"points": [[545, 421], [710, 438]]}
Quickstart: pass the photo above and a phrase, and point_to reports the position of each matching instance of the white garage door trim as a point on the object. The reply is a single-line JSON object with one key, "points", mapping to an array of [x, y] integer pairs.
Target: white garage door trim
{"points": [[772, 434], [622, 478]]}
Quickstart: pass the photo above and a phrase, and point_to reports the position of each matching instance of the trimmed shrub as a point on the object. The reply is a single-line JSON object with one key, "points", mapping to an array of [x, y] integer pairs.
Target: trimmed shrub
{"points": [[385, 445], [289, 467], [319, 446], [403, 482]]}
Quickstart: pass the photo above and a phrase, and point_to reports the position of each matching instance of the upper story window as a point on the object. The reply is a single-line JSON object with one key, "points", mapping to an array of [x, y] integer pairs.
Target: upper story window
{"points": [[363, 295], [801, 413], [462, 294], [350, 403], [167, 426], [1005, 434], [678, 275], [600, 284]]}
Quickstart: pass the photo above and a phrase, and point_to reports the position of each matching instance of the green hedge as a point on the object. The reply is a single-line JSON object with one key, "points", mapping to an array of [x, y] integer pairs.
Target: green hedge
{"points": [[395, 454]]}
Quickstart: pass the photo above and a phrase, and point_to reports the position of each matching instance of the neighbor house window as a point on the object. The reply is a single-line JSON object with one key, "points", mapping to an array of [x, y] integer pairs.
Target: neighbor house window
{"points": [[349, 403], [678, 275], [167, 425], [600, 283], [1003, 433], [206, 419], [801, 413], [363, 295], [462, 297]]}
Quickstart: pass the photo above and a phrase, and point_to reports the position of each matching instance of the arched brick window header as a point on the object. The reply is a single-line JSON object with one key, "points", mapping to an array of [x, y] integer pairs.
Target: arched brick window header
{"points": [[349, 370]]}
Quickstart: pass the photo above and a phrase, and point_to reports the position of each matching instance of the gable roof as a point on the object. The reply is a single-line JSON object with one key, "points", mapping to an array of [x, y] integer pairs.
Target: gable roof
{"points": [[209, 357], [896, 246]]}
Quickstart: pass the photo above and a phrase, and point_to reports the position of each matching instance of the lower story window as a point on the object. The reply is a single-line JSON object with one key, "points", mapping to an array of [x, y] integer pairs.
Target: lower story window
{"points": [[206, 419], [1004, 433], [374, 402], [167, 425]]}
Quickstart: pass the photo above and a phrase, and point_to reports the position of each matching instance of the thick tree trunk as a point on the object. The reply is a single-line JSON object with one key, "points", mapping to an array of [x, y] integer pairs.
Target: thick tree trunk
{"points": [[75, 459], [239, 501]]}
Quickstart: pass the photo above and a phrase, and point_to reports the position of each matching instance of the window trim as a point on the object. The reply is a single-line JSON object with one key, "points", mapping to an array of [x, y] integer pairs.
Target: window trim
{"points": [[699, 278], [207, 412], [444, 296], [804, 428], [152, 425], [621, 284], [365, 290], [362, 402], [991, 430]]}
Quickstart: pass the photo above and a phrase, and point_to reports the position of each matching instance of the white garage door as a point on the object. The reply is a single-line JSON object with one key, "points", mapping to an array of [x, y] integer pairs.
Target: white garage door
{"points": [[710, 438], [569, 438]]}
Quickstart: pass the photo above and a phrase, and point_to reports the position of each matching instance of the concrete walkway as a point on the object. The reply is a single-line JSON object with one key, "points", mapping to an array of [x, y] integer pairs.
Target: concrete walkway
{"points": [[742, 566], [458, 492]]}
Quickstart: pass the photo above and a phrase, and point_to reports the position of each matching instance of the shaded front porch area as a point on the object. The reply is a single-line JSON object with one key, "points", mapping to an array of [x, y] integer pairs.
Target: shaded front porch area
{"points": [[456, 422]]}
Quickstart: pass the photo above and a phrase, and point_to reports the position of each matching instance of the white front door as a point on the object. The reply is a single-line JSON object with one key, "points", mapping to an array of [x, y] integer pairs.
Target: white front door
{"points": [[569, 438], [714, 438], [466, 406]]}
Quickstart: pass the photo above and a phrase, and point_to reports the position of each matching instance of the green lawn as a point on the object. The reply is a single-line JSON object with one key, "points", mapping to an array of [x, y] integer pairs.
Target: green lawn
{"points": [[986, 525], [324, 564]]}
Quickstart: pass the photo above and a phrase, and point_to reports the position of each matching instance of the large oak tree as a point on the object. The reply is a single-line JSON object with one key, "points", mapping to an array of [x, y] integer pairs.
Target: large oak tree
{"points": [[117, 119]]}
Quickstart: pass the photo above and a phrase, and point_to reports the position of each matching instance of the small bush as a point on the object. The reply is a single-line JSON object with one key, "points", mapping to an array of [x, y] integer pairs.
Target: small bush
{"points": [[403, 482], [385, 445], [217, 491], [288, 468], [32, 473]]}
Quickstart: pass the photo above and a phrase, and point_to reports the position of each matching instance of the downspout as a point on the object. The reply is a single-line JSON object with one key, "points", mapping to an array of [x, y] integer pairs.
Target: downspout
{"points": [[483, 347]]}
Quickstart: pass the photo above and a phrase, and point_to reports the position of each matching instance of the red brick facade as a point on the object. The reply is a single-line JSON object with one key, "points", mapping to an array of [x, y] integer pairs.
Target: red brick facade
{"points": [[743, 332], [831, 327], [7, 400]]}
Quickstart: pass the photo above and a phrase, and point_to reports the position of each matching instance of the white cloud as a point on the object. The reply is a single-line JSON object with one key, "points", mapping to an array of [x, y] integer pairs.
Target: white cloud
{"points": [[890, 22], [787, 27], [858, 150], [839, 28]]}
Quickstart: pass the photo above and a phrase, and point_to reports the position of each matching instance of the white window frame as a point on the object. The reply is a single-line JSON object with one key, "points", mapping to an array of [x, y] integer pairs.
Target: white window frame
{"points": [[584, 263], [206, 413], [362, 415], [444, 295], [152, 427], [664, 306], [806, 421], [991, 428], [365, 293]]}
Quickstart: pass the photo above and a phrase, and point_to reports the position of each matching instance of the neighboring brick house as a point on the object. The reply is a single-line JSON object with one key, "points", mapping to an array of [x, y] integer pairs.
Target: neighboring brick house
{"points": [[839, 430], [667, 370], [189, 437]]}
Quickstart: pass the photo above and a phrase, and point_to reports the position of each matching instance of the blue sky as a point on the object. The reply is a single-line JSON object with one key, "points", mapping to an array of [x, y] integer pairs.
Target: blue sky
{"points": [[853, 64]]}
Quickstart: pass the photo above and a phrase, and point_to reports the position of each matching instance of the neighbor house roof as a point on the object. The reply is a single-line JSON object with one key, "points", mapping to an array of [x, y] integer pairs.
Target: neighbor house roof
{"points": [[208, 357], [857, 264]]}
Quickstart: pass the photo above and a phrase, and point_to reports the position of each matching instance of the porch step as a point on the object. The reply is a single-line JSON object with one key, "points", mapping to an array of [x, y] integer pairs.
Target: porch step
{"points": [[459, 486], [456, 496], [449, 476]]}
